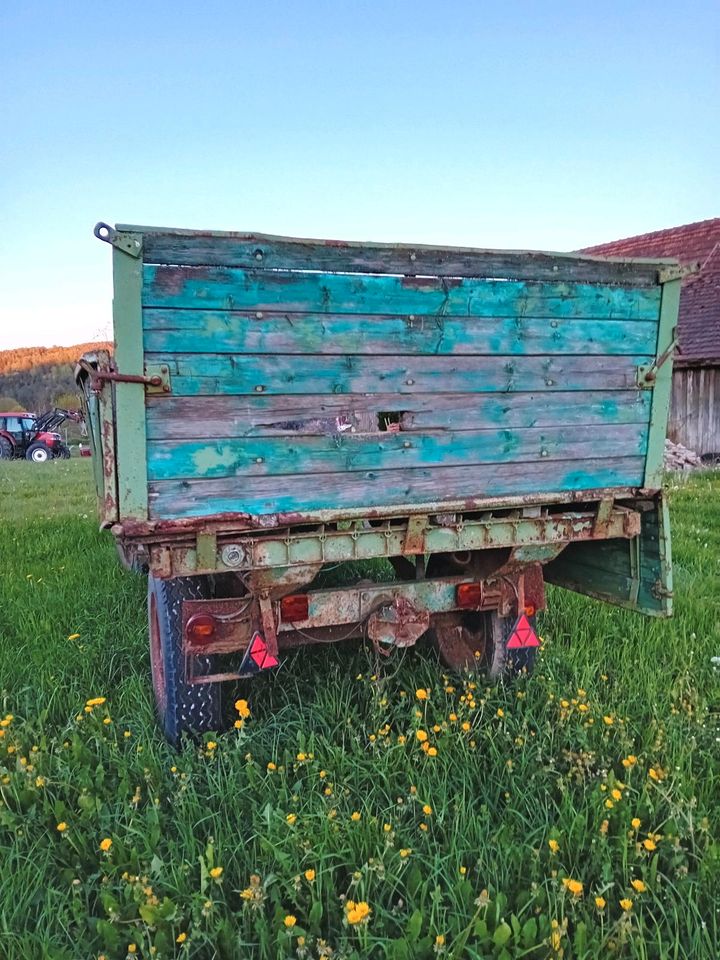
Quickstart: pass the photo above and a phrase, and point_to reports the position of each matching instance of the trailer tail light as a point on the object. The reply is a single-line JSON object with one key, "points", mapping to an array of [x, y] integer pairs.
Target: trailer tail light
{"points": [[529, 609], [200, 629], [294, 607], [469, 594]]}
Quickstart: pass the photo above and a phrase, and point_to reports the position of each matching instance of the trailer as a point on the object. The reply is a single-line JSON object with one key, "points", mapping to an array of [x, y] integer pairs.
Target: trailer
{"points": [[482, 421]]}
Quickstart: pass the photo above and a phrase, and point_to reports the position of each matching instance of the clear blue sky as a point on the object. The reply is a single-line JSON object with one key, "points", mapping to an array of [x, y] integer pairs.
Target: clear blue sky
{"points": [[509, 124]]}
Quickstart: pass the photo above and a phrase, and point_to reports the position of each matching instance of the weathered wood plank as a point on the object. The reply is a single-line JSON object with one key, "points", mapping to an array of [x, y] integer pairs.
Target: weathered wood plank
{"points": [[206, 331], [250, 250], [275, 456], [187, 418], [308, 492], [193, 374], [228, 288]]}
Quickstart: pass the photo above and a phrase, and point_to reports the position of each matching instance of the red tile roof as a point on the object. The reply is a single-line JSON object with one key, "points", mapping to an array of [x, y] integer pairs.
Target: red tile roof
{"points": [[699, 320]]}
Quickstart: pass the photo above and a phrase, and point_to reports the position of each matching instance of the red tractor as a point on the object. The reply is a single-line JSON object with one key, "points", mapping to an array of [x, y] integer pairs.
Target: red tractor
{"points": [[25, 435]]}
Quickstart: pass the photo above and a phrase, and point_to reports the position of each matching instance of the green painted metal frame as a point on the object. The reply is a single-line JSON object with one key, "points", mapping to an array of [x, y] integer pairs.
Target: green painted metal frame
{"points": [[287, 548], [131, 457], [660, 405]]}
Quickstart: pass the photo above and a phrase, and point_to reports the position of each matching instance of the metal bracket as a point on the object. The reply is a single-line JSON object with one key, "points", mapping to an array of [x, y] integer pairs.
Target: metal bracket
{"points": [[647, 373], [130, 243], [415, 535], [157, 379], [206, 550]]}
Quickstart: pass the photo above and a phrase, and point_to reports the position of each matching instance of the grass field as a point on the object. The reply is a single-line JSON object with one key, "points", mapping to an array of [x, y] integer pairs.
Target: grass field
{"points": [[574, 814]]}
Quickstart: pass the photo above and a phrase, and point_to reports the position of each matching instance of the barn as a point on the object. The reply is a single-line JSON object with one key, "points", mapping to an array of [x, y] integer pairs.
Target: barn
{"points": [[695, 405]]}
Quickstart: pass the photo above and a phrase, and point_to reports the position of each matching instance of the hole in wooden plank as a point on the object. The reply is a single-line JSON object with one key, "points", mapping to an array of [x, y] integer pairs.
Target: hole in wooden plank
{"points": [[390, 421]]}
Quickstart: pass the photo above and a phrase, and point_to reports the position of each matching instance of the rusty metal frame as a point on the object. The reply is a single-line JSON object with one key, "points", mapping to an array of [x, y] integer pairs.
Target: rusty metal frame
{"points": [[213, 550]]}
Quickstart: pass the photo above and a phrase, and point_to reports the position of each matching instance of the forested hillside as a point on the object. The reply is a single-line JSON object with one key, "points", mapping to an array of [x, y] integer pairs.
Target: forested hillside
{"points": [[37, 378]]}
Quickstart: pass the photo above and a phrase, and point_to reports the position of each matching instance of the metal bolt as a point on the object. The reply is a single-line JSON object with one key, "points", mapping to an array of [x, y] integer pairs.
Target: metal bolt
{"points": [[232, 555], [553, 323], [409, 383], [259, 315], [413, 257], [411, 317], [258, 459], [259, 389], [549, 383], [407, 444], [543, 452], [258, 255]]}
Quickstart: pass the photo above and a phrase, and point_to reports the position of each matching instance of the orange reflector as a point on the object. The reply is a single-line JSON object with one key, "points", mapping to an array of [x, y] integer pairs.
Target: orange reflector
{"points": [[469, 594], [530, 610], [294, 607], [201, 628]]}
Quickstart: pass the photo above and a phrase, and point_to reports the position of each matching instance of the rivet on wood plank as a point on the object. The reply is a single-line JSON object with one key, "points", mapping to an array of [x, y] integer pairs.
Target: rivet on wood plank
{"points": [[259, 389], [549, 383], [259, 315], [258, 254], [413, 257], [258, 459], [553, 323], [543, 452], [409, 383], [407, 444]]}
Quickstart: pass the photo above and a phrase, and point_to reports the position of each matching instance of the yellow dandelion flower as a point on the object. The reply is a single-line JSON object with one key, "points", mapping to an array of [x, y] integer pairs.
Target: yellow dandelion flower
{"points": [[355, 816], [132, 948], [401, 739], [554, 846], [574, 887], [290, 921], [604, 827], [271, 766], [649, 845], [423, 826], [242, 708], [74, 636], [405, 852], [310, 875], [635, 823], [616, 794], [432, 751], [210, 746], [105, 844], [422, 694], [600, 903], [583, 707], [638, 886], [61, 827], [387, 827], [629, 761], [466, 726], [216, 873], [608, 721], [626, 903], [440, 940], [500, 712], [421, 735], [181, 938], [357, 912], [609, 804], [427, 810], [291, 818]]}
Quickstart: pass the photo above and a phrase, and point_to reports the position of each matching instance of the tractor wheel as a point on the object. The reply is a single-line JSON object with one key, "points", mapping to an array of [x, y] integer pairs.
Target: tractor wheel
{"points": [[472, 641], [7, 451], [38, 453], [182, 707]]}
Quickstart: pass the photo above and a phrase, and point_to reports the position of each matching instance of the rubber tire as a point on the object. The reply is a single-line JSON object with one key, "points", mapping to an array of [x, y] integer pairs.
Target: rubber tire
{"points": [[182, 707], [63, 452], [487, 634], [36, 448], [7, 451]]}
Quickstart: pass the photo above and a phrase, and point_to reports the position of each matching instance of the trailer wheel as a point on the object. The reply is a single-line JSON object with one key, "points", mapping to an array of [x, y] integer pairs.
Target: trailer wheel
{"points": [[473, 641], [182, 707], [6, 449], [38, 453]]}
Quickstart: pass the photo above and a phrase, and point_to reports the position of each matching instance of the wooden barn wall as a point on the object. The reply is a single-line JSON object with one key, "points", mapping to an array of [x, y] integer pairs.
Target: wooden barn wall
{"points": [[695, 409]]}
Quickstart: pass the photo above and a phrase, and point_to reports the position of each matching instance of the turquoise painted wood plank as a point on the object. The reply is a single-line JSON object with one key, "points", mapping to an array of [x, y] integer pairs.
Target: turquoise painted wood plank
{"points": [[195, 247], [187, 418], [266, 456], [286, 374], [226, 288], [207, 331], [366, 489]]}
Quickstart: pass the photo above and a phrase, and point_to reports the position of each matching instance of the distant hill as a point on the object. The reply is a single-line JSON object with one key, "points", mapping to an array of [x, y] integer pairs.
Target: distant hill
{"points": [[38, 378]]}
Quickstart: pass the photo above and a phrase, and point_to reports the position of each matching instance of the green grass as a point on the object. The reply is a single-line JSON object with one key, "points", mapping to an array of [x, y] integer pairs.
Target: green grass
{"points": [[482, 874]]}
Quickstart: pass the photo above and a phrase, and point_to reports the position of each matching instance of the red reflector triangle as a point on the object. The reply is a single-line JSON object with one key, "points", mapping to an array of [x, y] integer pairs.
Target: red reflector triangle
{"points": [[260, 653], [523, 635]]}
